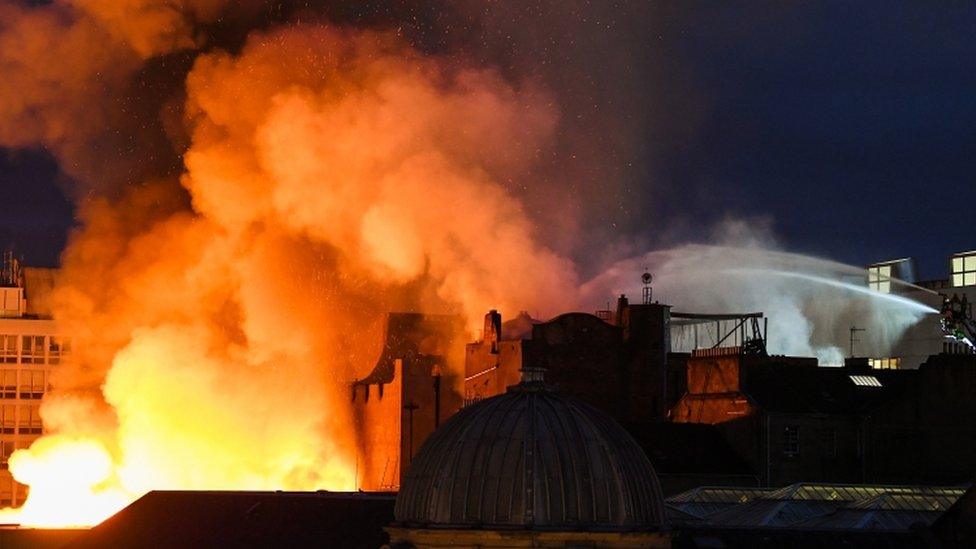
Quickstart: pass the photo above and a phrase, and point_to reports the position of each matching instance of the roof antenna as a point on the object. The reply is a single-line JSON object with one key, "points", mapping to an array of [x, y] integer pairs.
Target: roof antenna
{"points": [[646, 278]]}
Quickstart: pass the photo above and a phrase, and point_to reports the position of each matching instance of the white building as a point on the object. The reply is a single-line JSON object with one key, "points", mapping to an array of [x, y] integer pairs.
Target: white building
{"points": [[953, 331], [30, 348]]}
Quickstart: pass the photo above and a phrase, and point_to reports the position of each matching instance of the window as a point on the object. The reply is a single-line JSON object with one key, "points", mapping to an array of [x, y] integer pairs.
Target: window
{"points": [[885, 363], [29, 422], [8, 418], [964, 269], [791, 441], [879, 278], [53, 350], [8, 384], [7, 448], [58, 348], [7, 491], [32, 349], [36, 425], [8, 348], [32, 384]]}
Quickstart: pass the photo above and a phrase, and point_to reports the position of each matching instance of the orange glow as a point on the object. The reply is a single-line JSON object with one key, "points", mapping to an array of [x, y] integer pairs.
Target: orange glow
{"points": [[70, 483], [334, 176]]}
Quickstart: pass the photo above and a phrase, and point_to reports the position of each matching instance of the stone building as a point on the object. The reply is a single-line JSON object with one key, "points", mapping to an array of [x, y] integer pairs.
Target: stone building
{"points": [[409, 392], [529, 468]]}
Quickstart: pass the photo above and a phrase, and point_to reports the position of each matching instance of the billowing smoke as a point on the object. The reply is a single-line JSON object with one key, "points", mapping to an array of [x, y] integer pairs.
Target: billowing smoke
{"points": [[333, 174], [258, 185]]}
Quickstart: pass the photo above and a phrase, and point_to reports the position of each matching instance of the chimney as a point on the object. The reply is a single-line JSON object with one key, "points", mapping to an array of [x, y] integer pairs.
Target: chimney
{"points": [[622, 309], [493, 329]]}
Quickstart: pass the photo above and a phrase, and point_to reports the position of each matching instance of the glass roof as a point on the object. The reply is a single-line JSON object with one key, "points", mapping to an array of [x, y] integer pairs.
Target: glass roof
{"points": [[718, 494], [828, 505]]}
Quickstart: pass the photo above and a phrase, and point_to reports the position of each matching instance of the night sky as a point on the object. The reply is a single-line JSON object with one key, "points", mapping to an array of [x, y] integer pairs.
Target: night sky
{"points": [[851, 128]]}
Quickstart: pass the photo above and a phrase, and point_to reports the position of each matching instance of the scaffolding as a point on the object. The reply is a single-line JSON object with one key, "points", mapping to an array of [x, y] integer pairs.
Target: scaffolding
{"points": [[690, 331]]}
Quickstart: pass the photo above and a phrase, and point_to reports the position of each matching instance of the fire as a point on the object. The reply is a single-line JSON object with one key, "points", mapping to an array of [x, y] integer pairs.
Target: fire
{"points": [[333, 176], [70, 483]]}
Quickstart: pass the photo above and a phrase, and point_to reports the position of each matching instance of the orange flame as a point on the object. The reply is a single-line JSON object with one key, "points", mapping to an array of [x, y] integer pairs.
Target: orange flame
{"points": [[334, 176]]}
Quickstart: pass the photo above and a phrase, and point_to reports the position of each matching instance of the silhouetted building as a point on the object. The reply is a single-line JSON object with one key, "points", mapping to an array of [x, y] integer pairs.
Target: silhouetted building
{"points": [[789, 419], [407, 395], [620, 367], [244, 520], [956, 528], [928, 433], [529, 468], [688, 455]]}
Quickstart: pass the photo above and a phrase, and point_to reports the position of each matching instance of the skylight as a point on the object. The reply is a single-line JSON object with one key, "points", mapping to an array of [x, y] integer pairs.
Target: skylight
{"points": [[865, 381]]}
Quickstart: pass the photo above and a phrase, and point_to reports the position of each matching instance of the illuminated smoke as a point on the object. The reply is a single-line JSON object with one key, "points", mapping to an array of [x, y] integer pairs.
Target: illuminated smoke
{"points": [[334, 175]]}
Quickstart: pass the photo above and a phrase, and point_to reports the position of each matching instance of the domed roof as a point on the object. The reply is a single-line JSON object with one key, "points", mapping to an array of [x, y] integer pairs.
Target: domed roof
{"points": [[530, 459]]}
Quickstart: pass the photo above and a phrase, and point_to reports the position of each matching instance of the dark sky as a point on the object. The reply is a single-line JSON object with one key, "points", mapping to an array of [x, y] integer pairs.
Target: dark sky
{"points": [[852, 125]]}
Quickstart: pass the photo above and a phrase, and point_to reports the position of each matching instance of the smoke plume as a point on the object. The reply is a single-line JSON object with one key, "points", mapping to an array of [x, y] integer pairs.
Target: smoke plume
{"points": [[333, 174]]}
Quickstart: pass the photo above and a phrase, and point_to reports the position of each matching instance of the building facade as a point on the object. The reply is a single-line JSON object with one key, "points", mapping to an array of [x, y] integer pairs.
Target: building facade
{"points": [[789, 419], [31, 348], [409, 392], [951, 331]]}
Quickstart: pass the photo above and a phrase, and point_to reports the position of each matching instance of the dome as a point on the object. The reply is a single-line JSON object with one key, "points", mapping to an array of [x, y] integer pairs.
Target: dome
{"points": [[530, 459]]}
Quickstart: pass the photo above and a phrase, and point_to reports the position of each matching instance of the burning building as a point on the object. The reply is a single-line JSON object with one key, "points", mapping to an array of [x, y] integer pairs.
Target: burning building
{"points": [[409, 392]]}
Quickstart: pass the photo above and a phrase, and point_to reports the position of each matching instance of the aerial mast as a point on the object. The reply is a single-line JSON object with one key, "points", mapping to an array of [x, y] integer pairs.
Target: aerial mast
{"points": [[646, 278]]}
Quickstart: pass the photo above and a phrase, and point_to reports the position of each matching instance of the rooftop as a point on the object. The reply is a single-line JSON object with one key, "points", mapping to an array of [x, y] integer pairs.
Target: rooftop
{"points": [[818, 506], [166, 519], [531, 459]]}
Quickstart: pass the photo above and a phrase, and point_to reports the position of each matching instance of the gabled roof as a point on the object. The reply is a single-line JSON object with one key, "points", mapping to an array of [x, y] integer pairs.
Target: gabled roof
{"points": [[814, 506], [707, 500], [772, 512]]}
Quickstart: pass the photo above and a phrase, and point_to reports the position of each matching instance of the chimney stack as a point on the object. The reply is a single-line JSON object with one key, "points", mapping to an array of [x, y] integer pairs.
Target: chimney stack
{"points": [[622, 306]]}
